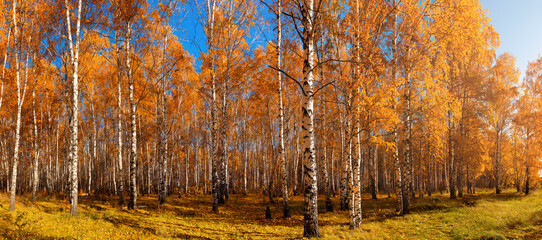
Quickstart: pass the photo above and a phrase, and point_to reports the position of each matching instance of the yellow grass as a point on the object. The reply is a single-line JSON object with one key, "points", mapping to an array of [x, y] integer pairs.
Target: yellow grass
{"points": [[481, 216]]}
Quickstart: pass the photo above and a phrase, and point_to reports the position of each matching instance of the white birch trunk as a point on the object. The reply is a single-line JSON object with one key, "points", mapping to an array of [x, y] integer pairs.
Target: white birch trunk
{"points": [[20, 100], [35, 175], [133, 127], [209, 31], [286, 206], [119, 122], [309, 159], [74, 62]]}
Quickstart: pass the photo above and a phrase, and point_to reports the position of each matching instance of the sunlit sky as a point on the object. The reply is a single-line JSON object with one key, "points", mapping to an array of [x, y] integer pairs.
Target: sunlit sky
{"points": [[519, 24]]}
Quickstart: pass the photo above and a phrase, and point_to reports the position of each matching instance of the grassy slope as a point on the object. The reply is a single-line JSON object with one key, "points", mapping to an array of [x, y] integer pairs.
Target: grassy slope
{"points": [[482, 216]]}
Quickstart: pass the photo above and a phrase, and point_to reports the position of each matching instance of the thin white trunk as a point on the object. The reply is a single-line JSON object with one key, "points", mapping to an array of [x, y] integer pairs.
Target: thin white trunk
{"points": [[343, 194], [209, 31], [286, 206], [327, 184], [133, 126], [74, 62], [20, 99], [245, 150], [119, 121], [186, 167], [309, 160], [35, 176]]}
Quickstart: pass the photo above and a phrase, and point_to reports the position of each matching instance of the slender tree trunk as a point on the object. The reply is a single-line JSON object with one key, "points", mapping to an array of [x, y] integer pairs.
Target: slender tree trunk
{"points": [[114, 178], [133, 127], [399, 179], [74, 62], [355, 147], [527, 179], [407, 161], [345, 167], [224, 191], [461, 152], [497, 163], [296, 162], [527, 165], [197, 168], [57, 167], [209, 31], [451, 158], [333, 182], [286, 206], [35, 174], [20, 99], [374, 175], [309, 160], [162, 130], [93, 160], [119, 122], [148, 158], [517, 180], [245, 150], [355, 191], [459, 176], [327, 184]]}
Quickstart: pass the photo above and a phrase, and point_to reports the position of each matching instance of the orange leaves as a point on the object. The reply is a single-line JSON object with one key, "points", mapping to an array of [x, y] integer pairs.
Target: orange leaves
{"points": [[155, 16], [501, 89]]}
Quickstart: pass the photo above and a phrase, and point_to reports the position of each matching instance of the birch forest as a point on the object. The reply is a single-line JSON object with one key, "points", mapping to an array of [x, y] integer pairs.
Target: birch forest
{"points": [[271, 119]]}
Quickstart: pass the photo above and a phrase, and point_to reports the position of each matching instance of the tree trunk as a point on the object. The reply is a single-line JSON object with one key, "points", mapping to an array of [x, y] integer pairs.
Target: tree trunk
{"points": [[345, 167], [374, 173], [399, 184], [119, 122], [73, 146], [309, 160], [497, 162], [407, 145], [20, 99], [245, 151], [133, 127], [527, 179], [355, 191], [282, 156], [35, 175], [93, 160], [451, 158], [296, 162], [327, 183], [223, 190], [209, 31]]}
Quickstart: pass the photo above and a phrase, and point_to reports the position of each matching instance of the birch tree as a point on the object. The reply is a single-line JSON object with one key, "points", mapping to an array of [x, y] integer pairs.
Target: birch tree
{"points": [[133, 128], [73, 47], [21, 92], [209, 25], [282, 155], [307, 9]]}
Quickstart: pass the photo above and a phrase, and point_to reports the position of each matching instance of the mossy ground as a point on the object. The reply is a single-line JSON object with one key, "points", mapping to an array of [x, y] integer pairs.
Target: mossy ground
{"points": [[485, 215]]}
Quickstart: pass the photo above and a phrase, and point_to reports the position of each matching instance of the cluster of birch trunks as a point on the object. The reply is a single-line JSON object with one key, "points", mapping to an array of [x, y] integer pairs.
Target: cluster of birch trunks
{"points": [[390, 98]]}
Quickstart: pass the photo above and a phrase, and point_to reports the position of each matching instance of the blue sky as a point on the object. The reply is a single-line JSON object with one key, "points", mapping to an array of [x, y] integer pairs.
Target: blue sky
{"points": [[519, 24], [189, 29]]}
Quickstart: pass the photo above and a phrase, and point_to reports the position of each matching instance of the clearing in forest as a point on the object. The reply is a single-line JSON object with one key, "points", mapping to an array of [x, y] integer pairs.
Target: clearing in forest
{"points": [[509, 215]]}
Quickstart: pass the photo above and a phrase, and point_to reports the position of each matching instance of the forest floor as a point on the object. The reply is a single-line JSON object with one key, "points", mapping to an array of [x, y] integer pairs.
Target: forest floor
{"points": [[485, 215]]}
